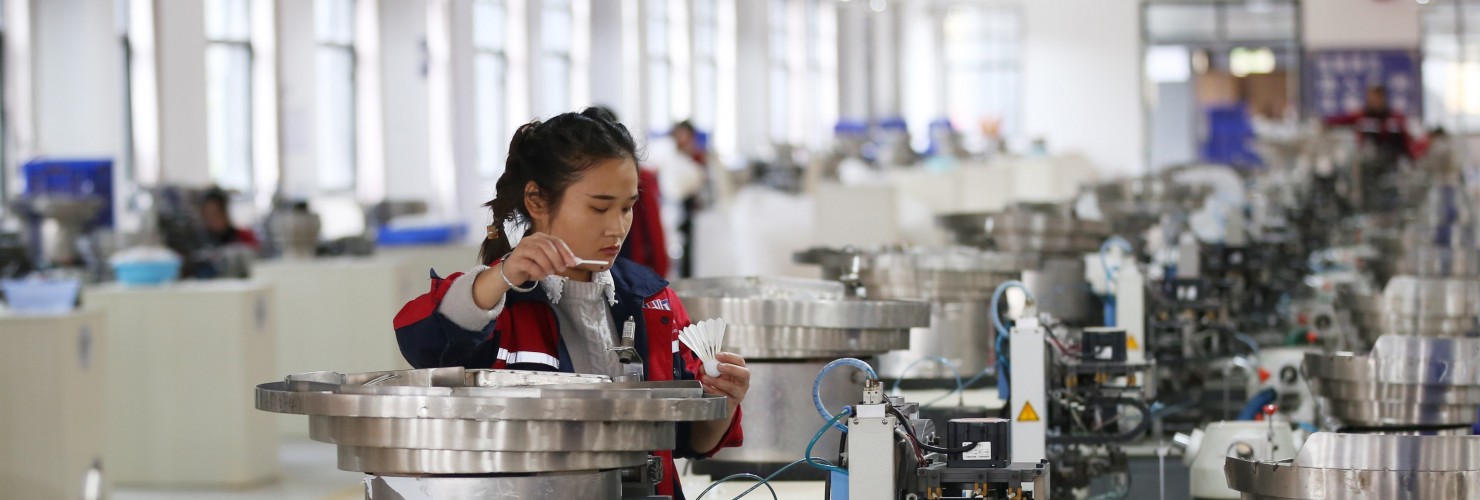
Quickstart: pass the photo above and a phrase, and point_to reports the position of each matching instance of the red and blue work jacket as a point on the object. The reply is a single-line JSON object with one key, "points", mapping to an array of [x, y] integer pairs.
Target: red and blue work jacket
{"points": [[526, 336]]}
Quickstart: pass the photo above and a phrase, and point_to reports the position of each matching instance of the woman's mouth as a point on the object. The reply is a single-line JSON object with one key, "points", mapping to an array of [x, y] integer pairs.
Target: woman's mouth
{"points": [[611, 251]]}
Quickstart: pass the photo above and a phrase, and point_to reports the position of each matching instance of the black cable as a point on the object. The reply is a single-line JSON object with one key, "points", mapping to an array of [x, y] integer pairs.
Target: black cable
{"points": [[949, 451]]}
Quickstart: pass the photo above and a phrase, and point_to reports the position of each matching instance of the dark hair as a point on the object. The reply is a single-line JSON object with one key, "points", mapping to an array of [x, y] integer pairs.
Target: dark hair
{"points": [[686, 125], [216, 195], [553, 154]]}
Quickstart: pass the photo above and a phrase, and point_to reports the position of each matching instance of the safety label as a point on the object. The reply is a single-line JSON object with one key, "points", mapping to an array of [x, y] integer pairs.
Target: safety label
{"points": [[982, 451], [1027, 415]]}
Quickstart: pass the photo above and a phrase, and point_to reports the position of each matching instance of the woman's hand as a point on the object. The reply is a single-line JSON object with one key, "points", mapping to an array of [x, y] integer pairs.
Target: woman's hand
{"points": [[537, 256], [733, 380]]}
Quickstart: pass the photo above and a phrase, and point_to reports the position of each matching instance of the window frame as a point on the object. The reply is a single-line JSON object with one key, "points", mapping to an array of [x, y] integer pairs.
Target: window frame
{"points": [[346, 44], [236, 44], [498, 53]]}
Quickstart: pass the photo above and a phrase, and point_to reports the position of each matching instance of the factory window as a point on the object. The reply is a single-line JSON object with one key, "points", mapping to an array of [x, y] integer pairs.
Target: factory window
{"points": [[1213, 70], [5, 172], [555, 35], [229, 93], [125, 161], [490, 68], [983, 67], [706, 65], [1451, 64], [335, 93], [659, 66], [780, 103], [822, 72]]}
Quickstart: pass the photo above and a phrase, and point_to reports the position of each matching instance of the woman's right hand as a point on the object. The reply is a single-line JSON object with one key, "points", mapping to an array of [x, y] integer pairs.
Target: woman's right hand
{"points": [[538, 255]]}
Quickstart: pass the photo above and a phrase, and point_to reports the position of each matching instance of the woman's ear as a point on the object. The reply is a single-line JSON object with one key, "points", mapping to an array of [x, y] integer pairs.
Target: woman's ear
{"points": [[535, 202]]}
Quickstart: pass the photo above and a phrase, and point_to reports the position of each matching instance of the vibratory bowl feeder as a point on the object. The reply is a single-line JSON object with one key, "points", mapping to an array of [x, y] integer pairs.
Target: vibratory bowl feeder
{"points": [[456, 433]]}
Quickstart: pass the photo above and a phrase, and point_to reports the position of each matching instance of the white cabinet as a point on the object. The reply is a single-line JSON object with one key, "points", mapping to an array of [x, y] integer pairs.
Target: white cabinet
{"points": [[184, 360], [52, 404], [334, 315]]}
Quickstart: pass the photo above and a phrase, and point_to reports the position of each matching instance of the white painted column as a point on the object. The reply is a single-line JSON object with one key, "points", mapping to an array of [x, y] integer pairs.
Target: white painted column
{"points": [[853, 73], [472, 189], [752, 76], [1081, 85], [442, 164], [180, 65], [296, 77], [884, 54], [77, 79], [404, 102], [726, 126], [607, 86], [266, 159], [922, 73]]}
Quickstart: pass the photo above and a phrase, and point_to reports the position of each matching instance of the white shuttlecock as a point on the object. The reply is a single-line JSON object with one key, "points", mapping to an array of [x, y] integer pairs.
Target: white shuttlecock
{"points": [[705, 338]]}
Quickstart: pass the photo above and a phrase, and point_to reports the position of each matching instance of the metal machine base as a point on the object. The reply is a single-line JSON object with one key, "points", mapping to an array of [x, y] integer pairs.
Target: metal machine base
{"points": [[593, 485]]}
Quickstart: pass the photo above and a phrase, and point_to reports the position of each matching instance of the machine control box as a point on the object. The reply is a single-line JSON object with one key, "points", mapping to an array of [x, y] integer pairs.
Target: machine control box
{"points": [[992, 438], [1104, 344]]}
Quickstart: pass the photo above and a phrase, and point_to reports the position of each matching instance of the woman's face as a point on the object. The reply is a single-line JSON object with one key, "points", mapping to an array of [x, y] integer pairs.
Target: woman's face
{"points": [[595, 214]]}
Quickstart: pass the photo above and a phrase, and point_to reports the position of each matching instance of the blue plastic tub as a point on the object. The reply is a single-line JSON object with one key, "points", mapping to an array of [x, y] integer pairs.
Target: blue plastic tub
{"points": [[147, 272], [389, 236], [41, 296]]}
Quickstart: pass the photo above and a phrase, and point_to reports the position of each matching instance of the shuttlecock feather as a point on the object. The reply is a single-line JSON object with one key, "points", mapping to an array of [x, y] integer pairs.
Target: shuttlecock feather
{"points": [[705, 338]]}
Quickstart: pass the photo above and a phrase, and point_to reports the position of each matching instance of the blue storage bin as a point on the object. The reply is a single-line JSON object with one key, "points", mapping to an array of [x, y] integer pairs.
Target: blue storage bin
{"points": [[388, 236], [41, 296], [82, 177], [147, 272]]}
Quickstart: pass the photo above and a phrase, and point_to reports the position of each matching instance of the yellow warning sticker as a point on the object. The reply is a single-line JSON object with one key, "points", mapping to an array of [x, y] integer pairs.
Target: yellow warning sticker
{"points": [[1027, 415], [1130, 343]]}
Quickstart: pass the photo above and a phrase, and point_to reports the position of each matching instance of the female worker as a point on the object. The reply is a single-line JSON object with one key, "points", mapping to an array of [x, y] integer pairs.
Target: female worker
{"points": [[571, 183]]}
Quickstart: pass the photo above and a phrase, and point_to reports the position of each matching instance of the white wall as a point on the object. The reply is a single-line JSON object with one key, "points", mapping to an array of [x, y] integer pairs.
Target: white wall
{"points": [[1081, 80], [752, 77], [77, 75], [404, 99], [1361, 24], [606, 55], [180, 42], [853, 98], [296, 74]]}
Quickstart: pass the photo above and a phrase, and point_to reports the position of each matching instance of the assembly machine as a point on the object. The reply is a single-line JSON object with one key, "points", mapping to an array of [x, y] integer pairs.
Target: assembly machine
{"points": [[456, 433], [957, 282], [788, 329]]}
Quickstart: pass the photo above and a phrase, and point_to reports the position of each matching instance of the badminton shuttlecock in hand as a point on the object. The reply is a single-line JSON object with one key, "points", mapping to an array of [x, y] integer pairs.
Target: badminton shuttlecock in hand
{"points": [[705, 338]]}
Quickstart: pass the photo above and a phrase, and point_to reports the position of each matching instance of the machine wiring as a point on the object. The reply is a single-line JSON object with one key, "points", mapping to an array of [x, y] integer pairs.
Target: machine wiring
{"points": [[1003, 382], [941, 360], [847, 410], [817, 386], [815, 462]]}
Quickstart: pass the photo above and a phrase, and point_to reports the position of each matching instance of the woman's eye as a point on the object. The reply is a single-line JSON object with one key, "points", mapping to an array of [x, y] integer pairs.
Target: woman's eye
{"points": [[626, 210], [600, 210]]}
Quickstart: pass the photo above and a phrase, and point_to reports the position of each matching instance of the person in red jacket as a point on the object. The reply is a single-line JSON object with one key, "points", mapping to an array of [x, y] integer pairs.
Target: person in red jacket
{"points": [[570, 183], [1380, 126]]}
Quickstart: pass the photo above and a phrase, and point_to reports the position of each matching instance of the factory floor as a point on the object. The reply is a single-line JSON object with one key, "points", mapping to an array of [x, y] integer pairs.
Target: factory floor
{"points": [[309, 473]]}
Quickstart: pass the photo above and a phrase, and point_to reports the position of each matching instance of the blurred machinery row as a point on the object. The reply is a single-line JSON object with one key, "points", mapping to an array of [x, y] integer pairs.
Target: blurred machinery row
{"points": [[1306, 331], [1302, 332]]}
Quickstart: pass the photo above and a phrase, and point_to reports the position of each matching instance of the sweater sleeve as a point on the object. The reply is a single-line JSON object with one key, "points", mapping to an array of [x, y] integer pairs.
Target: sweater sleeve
{"points": [[458, 305]]}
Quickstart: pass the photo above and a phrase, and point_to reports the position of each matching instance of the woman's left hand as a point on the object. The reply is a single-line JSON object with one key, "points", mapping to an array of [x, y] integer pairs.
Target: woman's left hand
{"points": [[733, 380]]}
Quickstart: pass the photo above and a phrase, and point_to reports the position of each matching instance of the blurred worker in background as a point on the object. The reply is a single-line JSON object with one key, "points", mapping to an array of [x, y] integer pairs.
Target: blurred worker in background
{"points": [[1379, 126], [215, 214], [1384, 145], [692, 185]]}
